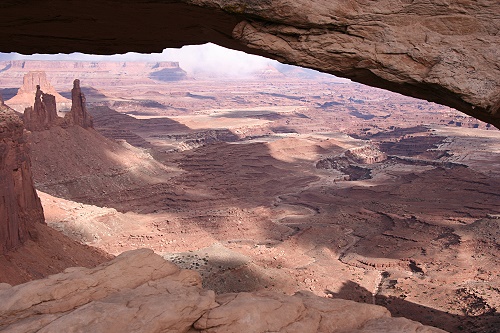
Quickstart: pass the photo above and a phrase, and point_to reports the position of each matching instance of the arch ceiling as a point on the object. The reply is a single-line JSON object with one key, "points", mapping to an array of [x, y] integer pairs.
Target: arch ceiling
{"points": [[439, 50]]}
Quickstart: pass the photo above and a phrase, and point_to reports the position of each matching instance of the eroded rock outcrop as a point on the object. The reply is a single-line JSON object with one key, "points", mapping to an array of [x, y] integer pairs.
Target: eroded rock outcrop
{"points": [[368, 154], [353, 164], [34, 81], [442, 51], [141, 292], [43, 114], [78, 114], [20, 207]]}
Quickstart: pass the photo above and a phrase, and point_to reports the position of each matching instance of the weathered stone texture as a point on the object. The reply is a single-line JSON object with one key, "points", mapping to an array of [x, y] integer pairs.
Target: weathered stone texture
{"points": [[43, 114], [78, 114], [20, 207], [427, 49], [141, 292], [442, 51]]}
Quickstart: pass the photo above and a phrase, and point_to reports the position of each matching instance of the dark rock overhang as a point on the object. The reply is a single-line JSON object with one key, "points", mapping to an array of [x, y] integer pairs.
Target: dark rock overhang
{"points": [[430, 50]]}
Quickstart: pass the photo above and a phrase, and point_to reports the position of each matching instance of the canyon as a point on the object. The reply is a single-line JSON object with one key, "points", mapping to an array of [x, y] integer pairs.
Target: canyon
{"points": [[281, 184], [294, 185]]}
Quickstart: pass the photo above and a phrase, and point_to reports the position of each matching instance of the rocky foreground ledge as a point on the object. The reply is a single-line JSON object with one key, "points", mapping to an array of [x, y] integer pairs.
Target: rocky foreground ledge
{"points": [[141, 292]]}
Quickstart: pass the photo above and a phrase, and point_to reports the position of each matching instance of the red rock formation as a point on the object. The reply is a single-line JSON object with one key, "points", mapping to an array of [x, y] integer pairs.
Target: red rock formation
{"points": [[20, 207], [426, 49], [31, 81], [78, 114], [368, 154], [43, 114]]}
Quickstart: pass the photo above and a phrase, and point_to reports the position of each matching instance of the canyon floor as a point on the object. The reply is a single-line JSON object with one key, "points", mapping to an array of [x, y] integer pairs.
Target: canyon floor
{"points": [[289, 184]]}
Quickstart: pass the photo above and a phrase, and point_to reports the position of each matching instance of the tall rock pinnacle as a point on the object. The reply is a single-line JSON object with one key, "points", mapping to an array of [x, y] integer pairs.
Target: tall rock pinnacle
{"points": [[43, 114], [20, 207], [78, 114]]}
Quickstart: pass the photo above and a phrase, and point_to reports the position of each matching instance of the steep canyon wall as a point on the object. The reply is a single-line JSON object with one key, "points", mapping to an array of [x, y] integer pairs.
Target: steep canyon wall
{"points": [[20, 207]]}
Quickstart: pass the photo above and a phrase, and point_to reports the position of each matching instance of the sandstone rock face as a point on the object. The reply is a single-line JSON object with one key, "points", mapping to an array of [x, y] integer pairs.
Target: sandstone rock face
{"points": [[425, 49], [136, 292], [43, 114], [141, 292], [78, 114], [272, 312], [20, 207], [446, 52]]}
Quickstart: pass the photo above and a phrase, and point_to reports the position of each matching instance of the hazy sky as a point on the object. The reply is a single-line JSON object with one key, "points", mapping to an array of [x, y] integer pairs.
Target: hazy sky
{"points": [[192, 58]]}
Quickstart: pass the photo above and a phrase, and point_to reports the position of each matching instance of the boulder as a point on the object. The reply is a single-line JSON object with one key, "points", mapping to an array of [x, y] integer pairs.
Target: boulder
{"points": [[137, 291], [260, 312]]}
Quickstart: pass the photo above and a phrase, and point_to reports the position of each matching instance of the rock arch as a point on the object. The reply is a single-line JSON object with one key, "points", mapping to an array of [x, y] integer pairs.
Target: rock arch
{"points": [[442, 51]]}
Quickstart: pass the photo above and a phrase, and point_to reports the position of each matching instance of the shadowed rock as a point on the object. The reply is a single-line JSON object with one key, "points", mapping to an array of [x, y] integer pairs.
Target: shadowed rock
{"points": [[43, 114], [426, 49], [78, 114], [20, 207]]}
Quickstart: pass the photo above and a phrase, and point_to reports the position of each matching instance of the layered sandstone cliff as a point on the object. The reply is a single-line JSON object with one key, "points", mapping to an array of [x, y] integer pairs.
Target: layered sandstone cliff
{"points": [[95, 73], [141, 292], [20, 207]]}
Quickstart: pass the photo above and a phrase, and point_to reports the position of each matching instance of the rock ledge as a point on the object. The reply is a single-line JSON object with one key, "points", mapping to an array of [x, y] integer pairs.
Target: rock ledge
{"points": [[139, 291]]}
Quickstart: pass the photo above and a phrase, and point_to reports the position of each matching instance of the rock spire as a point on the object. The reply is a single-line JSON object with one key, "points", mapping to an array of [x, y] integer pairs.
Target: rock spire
{"points": [[20, 207], [43, 114], [78, 114]]}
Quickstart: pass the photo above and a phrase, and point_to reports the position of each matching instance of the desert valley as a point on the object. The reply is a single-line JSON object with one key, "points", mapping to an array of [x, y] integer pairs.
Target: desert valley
{"points": [[283, 180]]}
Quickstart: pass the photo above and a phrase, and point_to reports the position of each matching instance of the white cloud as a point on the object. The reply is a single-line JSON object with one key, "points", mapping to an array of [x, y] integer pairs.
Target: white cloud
{"points": [[212, 58], [209, 58]]}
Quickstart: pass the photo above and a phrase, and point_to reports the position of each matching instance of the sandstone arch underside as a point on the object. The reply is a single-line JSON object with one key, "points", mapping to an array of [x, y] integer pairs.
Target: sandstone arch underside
{"points": [[439, 50]]}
